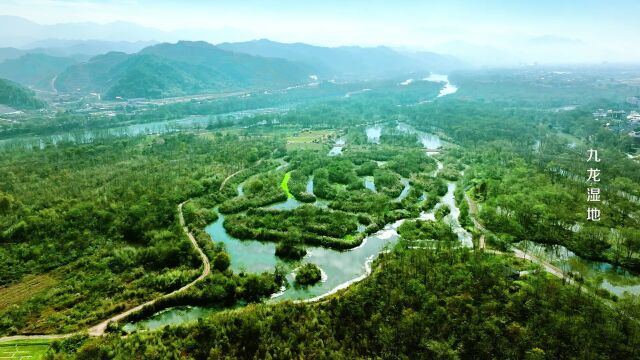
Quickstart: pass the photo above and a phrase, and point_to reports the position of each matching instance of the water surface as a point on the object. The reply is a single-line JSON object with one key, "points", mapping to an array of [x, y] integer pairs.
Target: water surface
{"points": [[613, 278]]}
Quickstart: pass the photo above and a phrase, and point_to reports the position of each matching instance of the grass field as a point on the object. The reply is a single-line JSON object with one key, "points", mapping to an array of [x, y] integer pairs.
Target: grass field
{"points": [[304, 146], [285, 184], [312, 136], [309, 140], [24, 349], [25, 289]]}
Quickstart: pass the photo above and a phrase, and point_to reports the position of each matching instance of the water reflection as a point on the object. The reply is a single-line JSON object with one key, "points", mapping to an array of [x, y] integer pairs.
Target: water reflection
{"points": [[614, 279]]}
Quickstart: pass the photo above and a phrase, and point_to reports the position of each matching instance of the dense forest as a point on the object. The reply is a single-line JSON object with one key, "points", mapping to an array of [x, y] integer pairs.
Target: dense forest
{"points": [[94, 227], [419, 304], [88, 230], [16, 96]]}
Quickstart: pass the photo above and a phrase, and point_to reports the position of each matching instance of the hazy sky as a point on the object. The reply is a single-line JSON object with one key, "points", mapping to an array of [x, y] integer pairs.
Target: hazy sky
{"points": [[560, 30]]}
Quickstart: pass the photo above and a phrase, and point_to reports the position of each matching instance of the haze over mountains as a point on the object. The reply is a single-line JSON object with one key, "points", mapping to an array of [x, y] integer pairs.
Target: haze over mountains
{"points": [[177, 69], [22, 33], [146, 69], [347, 60], [126, 60]]}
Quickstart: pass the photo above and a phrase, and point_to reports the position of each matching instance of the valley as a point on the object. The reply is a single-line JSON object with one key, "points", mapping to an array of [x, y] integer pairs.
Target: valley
{"points": [[440, 213]]}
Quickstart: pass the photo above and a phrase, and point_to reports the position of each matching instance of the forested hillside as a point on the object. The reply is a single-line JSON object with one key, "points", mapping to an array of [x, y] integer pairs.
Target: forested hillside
{"points": [[37, 70], [16, 96], [178, 69]]}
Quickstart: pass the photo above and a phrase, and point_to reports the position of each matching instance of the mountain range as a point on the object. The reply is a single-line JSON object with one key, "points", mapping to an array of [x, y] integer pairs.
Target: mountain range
{"points": [[191, 67], [177, 69], [34, 69], [20, 32], [352, 62]]}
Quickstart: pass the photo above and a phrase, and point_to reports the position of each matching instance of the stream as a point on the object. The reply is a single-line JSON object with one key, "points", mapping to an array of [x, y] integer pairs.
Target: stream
{"points": [[342, 268], [339, 268], [337, 147]]}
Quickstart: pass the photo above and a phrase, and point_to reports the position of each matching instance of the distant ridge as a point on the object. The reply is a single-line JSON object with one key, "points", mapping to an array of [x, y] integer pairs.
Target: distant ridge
{"points": [[35, 70], [348, 61], [186, 67], [192, 67]]}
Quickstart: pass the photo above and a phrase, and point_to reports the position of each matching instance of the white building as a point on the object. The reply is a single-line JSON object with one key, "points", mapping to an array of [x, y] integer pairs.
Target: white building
{"points": [[634, 116]]}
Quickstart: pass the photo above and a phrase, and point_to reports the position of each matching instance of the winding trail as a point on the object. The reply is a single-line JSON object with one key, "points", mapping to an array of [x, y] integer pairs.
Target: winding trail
{"points": [[224, 182], [99, 329], [548, 267]]}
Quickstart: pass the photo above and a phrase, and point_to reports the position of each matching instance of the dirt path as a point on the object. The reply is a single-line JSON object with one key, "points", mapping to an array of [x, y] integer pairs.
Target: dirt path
{"points": [[34, 337], [224, 182], [99, 329], [551, 269], [473, 210]]}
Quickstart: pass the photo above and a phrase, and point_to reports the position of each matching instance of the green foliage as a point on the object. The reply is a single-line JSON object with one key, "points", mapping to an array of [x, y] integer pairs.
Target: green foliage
{"points": [[260, 190], [307, 223], [367, 168], [196, 215], [426, 230], [387, 182], [411, 162], [222, 261], [308, 274], [16, 96], [442, 211], [290, 248], [101, 219], [298, 187], [417, 304]]}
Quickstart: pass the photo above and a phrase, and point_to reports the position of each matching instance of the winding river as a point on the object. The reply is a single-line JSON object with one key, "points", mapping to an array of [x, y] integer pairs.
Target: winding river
{"points": [[448, 87], [340, 268], [193, 122]]}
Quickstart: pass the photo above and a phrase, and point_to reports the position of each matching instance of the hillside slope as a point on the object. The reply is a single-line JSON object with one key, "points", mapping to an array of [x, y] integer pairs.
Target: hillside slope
{"points": [[347, 61], [36, 70], [178, 69], [18, 97]]}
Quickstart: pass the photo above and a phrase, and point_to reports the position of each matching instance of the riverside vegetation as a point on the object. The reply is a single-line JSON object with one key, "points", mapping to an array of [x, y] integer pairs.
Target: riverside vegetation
{"points": [[108, 238]]}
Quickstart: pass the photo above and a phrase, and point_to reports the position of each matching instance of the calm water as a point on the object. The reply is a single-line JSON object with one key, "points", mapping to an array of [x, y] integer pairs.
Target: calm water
{"points": [[614, 279], [337, 148], [428, 140], [370, 184], [351, 93], [175, 315], [339, 268], [83, 137], [465, 237], [405, 189], [447, 89], [159, 127]]}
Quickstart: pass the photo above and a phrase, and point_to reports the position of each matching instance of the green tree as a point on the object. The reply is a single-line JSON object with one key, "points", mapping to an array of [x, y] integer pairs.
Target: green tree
{"points": [[222, 261]]}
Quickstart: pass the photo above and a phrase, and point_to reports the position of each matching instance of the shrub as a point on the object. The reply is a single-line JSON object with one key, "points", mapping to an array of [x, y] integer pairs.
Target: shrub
{"points": [[308, 274]]}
